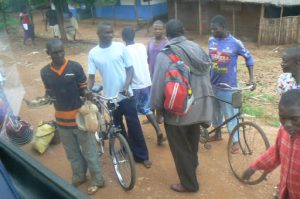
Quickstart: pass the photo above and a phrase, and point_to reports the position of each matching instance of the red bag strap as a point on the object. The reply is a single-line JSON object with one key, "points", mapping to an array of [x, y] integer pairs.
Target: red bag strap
{"points": [[174, 58]]}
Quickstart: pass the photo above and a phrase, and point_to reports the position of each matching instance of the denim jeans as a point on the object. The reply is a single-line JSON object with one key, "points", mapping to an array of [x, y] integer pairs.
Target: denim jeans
{"points": [[224, 110], [80, 147]]}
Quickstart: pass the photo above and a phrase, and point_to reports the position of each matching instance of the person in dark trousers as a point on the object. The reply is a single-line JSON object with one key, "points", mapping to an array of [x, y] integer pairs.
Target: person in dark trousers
{"points": [[183, 131], [65, 81], [141, 81], [113, 62], [51, 20], [27, 26]]}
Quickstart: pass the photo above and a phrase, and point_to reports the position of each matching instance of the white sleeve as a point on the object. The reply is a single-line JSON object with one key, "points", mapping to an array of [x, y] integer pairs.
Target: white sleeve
{"points": [[91, 65], [127, 58]]}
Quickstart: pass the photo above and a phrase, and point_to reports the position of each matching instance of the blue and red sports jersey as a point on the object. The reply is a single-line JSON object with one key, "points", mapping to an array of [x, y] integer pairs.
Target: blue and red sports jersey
{"points": [[224, 54]]}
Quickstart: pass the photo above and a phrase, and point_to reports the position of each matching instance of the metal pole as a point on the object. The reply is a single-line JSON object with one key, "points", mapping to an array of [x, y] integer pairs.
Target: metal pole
{"points": [[200, 17], [175, 7]]}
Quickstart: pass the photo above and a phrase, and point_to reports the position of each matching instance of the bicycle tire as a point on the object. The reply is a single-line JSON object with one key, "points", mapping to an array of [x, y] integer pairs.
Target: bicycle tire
{"points": [[252, 142], [123, 161]]}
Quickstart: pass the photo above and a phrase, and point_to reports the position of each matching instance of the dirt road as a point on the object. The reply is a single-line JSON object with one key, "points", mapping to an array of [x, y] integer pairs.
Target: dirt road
{"points": [[214, 175]]}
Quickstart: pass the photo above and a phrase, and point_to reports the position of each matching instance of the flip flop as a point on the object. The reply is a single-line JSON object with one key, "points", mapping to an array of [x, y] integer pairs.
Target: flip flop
{"points": [[161, 139], [235, 148], [92, 189], [145, 122]]}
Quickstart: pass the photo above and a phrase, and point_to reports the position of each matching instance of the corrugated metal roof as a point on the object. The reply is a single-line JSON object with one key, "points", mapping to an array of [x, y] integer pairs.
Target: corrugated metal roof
{"points": [[275, 2]]}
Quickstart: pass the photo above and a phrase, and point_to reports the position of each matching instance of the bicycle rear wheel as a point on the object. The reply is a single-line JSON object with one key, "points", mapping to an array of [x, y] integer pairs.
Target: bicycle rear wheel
{"points": [[252, 142], [123, 162]]}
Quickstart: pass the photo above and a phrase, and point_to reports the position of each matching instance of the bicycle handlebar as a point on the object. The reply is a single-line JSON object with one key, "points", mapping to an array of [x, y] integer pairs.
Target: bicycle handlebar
{"points": [[120, 96], [226, 86]]}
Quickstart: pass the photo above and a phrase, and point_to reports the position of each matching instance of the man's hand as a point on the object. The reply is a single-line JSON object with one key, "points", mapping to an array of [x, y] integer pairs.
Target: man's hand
{"points": [[88, 95], [247, 174], [253, 84], [125, 92]]}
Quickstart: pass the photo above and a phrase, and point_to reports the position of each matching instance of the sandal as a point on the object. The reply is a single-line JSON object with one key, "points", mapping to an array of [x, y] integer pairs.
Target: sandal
{"points": [[215, 137], [92, 189], [145, 122], [147, 164], [235, 148], [160, 139]]}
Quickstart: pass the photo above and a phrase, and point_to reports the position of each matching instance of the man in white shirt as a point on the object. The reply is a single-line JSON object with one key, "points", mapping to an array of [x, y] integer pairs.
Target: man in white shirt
{"points": [[111, 59], [141, 81]]}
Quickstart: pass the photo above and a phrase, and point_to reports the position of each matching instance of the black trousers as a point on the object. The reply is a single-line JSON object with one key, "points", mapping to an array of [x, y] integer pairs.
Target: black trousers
{"points": [[183, 142], [134, 135]]}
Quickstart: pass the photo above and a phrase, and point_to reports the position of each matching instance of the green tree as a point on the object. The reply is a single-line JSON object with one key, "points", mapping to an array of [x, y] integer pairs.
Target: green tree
{"points": [[61, 7], [3, 11], [91, 5]]}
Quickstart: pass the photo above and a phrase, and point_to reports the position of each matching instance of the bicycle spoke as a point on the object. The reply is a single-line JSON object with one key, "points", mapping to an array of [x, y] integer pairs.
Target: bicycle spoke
{"points": [[252, 142], [123, 162]]}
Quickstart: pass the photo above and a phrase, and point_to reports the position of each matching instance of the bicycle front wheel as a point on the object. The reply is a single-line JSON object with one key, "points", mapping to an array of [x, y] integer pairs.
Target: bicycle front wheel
{"points": [[123, 162], [252, 141]]}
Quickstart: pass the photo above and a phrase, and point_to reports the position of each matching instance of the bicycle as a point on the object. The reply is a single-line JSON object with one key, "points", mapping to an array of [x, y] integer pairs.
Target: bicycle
{"points": [[121, 155], [252, 140]]}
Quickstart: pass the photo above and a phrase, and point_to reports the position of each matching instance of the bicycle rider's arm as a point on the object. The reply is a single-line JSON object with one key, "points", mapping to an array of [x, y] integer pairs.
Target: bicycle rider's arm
{"points": [[91, 71], [243, 51], [251, 76], [267, 161], [128, 64], [48, 92], [129, 76], [90, 81]]}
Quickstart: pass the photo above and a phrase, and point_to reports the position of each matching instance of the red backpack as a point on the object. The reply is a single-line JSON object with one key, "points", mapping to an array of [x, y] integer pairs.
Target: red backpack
{"points": [[178, 91]]}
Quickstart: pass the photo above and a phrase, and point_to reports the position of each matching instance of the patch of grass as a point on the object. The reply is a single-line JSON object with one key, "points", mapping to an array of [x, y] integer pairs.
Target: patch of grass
{"points": [[267, 98], [261, 105], [273, 123], [261, 113], [260, 97], [11, 22], [253, 110]]}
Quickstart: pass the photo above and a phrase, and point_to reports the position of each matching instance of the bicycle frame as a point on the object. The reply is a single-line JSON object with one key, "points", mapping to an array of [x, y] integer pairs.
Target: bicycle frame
{"points": [[226, 121], [237, 116], [109, 132]]}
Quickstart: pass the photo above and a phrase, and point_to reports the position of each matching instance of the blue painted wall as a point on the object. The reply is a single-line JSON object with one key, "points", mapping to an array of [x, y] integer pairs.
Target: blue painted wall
{"points": [[127, 11]]}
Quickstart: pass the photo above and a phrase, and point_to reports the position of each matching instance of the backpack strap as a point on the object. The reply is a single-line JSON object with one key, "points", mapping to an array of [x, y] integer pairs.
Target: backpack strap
{"points": [[169, 52]]}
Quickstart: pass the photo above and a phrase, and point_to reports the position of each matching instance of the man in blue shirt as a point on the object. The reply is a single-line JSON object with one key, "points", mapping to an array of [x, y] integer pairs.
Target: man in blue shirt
{"points": [[224, 50]]}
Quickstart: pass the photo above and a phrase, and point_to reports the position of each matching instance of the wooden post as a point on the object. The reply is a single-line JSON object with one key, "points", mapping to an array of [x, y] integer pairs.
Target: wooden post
{"points": [[200, 17], [262, 14], [233, 20], [175, 7], [280, 23], [298, 30]]}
